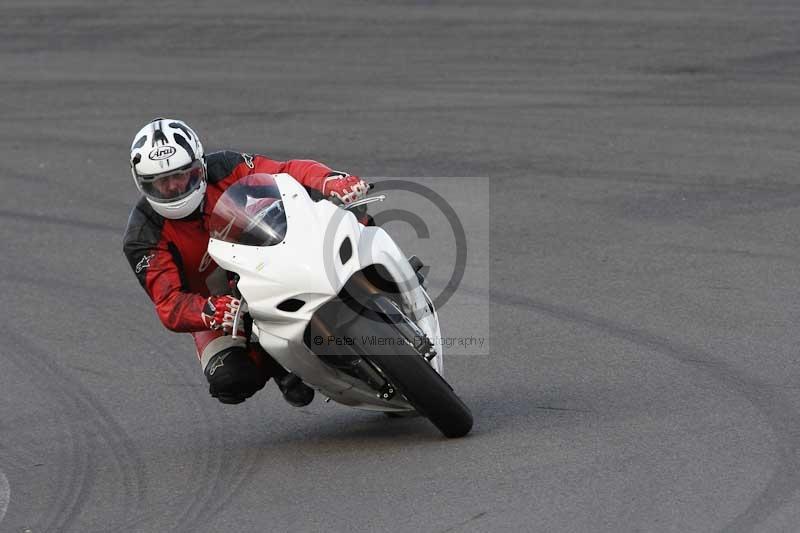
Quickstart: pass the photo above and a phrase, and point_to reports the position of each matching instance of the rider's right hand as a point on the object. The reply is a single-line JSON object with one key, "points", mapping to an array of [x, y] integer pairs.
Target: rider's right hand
{"points": [[219, 312], [344, 188]]}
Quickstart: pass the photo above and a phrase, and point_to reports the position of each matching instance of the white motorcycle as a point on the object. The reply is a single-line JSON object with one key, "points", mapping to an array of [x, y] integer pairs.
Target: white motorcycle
{"points": [[333, 301]]}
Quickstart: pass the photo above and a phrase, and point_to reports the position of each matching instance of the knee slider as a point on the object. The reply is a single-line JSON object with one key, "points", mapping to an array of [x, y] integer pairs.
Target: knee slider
{"points": [[233, 376]]}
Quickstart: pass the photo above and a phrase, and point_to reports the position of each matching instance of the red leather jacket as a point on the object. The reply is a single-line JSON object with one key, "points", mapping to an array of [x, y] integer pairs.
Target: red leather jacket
{"points": [[169, 256]]}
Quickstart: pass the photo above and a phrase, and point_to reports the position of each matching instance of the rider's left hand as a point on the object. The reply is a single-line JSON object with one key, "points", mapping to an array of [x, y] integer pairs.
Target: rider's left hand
{"points": [[344, 187]]}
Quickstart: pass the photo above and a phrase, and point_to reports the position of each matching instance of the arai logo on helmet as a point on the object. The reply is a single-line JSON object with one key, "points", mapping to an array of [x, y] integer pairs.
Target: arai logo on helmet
{"points": [[162, 152]]}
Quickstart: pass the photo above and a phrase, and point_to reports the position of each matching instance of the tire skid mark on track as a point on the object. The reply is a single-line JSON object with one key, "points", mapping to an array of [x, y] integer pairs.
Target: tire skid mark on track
{"points": [[80, 481], [69, 285], [14, 458], [228, 471], [224, 470], [75, 482], [5, 495], [73, 461], [779, 413], [71, 188], [201, 506], [222, 476], [237, 478], [209, 477], [58, 221], [8, 173]]}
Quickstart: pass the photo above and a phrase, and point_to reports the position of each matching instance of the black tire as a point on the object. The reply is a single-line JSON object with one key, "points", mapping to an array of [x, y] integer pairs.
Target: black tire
{"points": [[401, 414], [408, 371]]}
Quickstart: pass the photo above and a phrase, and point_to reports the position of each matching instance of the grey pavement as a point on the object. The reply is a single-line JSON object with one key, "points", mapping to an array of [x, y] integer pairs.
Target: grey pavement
{"points": [[633, 262]]}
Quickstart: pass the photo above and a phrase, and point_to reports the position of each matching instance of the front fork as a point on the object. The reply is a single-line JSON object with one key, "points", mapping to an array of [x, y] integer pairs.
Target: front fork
{"points": [[347, 360]]}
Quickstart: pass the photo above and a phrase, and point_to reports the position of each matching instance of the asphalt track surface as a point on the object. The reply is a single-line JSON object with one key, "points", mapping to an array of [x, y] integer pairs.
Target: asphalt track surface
{"points": [[636, 274]]}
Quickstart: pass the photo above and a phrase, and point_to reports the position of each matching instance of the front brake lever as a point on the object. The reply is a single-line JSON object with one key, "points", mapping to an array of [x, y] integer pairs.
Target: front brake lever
{"points": [[237, 317], [234, 286], [367, 200]]}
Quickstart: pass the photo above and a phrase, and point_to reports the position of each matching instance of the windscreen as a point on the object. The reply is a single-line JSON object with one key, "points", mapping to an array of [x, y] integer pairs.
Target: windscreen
{"points": [[250, 212]]}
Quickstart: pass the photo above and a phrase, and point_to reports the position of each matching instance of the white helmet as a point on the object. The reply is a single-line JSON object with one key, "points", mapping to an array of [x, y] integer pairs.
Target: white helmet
{"points": [[168, 167]]}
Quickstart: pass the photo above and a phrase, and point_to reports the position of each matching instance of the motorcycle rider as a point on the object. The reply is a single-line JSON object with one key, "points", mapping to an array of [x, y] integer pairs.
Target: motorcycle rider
{"points": [[165, 244]]}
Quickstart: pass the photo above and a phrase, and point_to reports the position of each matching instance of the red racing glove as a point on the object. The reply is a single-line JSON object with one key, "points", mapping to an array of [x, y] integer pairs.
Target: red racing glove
{"points": [[219, 312], [344, 187]]}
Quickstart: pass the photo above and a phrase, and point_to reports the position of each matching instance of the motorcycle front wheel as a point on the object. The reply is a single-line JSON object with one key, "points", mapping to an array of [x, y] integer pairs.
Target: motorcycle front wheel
{"points": [[405, 367]]}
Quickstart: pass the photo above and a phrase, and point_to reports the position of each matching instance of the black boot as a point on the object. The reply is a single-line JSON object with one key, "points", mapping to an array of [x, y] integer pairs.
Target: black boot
{"points": [[292, 387], [294, 391]]}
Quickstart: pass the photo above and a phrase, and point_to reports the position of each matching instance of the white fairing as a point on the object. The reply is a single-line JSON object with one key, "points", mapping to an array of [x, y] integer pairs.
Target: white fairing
{"points": [[306, 266]]}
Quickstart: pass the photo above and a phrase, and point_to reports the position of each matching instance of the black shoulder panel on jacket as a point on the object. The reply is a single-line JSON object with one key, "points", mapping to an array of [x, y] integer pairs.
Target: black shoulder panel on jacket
{"points": [[141, 237], [221, 164]]}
